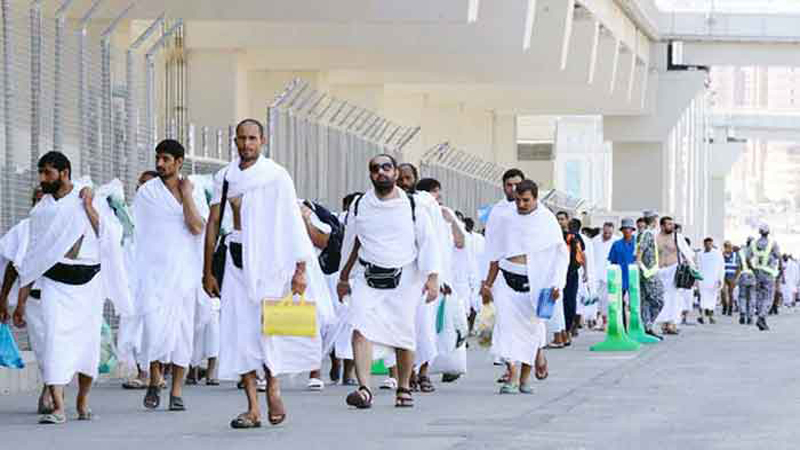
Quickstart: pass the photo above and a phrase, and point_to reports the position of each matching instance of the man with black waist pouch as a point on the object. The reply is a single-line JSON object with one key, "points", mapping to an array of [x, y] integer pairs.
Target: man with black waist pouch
{"points": [[70, 237], [528, 252], [395, 244]]}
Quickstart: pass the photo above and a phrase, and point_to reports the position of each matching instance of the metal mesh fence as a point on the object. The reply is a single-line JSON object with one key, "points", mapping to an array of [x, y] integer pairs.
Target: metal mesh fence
{"points": [[468, 182], [326, 143]]}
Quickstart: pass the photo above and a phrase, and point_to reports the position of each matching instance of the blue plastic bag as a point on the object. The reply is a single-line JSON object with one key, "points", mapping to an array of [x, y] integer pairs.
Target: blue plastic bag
{"points": [[9, 352], [546, 304], [108, 352]]}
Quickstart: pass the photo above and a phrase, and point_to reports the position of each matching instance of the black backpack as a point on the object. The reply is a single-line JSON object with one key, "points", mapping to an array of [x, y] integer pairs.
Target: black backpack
{"points": [[331, 256]]}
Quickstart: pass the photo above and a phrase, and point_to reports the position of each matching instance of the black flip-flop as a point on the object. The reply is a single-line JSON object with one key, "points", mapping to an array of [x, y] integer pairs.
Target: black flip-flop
{"points": [[176, 403], [242, 422], [151, 398]]}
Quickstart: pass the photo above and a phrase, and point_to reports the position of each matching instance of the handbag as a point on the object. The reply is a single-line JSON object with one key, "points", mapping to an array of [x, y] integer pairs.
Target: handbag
{"points": [[684, 275], [284, 317], [381, 277], [221, 252], [546, 305], [517, 282]]}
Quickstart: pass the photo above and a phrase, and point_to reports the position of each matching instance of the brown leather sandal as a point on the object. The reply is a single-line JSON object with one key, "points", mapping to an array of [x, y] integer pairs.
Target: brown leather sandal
{"points": [[403, 398], [359, 400]]}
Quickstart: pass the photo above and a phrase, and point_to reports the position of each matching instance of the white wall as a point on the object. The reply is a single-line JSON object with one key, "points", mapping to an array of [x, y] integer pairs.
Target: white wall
{"points": [[638, 180]]}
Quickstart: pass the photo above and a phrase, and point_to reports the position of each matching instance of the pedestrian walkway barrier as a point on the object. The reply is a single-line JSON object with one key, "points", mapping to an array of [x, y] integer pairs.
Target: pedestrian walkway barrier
{"points": [[635, 326], [379, 368], [616, 339]]}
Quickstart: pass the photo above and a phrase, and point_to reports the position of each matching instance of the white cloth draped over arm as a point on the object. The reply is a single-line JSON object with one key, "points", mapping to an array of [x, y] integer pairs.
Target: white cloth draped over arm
{"points": [[428, 259], [116, 286], [272, 243]]}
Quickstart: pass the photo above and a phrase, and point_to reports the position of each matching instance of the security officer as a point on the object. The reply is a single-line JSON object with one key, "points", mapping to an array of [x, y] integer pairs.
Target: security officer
{"points": [[766, 257], [747, 283]]}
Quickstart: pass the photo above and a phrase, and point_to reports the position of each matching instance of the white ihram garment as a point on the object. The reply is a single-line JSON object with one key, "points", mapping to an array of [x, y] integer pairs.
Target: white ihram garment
{"points": [[169, 268], [390, 238], [274, 240], [72, 315], [12, 249], [518, 332], [712, 267]]}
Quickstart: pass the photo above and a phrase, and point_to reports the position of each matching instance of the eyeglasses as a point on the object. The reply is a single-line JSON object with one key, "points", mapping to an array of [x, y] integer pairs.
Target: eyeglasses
{"points": [[386, 167]]}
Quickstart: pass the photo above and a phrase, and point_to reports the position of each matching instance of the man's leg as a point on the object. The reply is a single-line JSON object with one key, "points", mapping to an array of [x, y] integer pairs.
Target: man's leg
{"points": [[57, 394], [276, 411], [349, 371], [177, 380], [362, 352], [525, 374], [405, 364], [211, 373], [251, 392], [82, 401], [156, 377]]}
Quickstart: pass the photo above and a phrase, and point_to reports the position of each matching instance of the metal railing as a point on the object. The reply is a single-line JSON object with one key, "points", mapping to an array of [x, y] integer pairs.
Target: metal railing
{"points": [[468, 182]]}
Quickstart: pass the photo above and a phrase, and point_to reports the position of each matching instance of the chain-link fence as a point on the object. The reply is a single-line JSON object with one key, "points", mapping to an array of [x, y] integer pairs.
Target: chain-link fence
{"points": [[468, 182], [326, 143]]}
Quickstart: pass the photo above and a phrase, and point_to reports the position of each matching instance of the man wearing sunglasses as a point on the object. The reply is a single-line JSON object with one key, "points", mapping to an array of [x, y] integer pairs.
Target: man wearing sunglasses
{"points": [[394, 246]]}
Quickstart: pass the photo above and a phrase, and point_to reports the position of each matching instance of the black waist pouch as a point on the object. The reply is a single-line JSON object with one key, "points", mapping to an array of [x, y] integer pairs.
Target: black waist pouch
{"points": [[516, 282], [74, 274], [236, 254], [36, 293], [381, 277]]}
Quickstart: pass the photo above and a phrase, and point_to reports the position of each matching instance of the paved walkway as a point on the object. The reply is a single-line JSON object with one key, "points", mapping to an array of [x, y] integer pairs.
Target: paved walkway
{"points": [[714, 387]]}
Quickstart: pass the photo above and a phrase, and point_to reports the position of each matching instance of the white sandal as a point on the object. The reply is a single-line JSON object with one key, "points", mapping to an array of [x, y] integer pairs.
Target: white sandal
{"points": [[315, 385]]}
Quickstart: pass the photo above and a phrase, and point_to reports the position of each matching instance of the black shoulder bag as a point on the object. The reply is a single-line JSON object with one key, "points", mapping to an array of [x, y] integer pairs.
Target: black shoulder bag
{"points": [[221, 252], [684, 278]]}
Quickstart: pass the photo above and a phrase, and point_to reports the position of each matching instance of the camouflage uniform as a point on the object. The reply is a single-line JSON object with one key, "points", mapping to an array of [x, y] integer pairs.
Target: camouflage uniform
{"points": [[765, 281], [747, 284], [651, 287]]}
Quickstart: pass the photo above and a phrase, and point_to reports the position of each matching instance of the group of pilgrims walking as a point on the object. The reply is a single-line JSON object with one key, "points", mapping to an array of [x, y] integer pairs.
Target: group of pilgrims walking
{"points": [[191, 273]]}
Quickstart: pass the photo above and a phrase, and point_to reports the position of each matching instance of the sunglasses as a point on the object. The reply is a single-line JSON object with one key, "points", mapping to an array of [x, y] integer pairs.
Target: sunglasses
{"points": [[386, 167]]}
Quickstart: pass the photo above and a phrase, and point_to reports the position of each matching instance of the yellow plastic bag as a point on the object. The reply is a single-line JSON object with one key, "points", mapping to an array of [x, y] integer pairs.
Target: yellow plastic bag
{"points": [[284, 317]]}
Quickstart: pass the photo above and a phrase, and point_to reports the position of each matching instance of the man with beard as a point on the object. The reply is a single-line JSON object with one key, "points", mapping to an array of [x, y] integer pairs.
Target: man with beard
{"points": [[12, 248], [533, 260], [602, 248], [167, 261], [393, 241], [70, 237], [450, 238], [267, 257], [671, 248], [511, 178], [647, 258]]}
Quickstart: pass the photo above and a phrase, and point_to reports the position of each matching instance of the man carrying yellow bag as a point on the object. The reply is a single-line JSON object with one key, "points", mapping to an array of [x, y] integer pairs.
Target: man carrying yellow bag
{"points": [[268, 254]]}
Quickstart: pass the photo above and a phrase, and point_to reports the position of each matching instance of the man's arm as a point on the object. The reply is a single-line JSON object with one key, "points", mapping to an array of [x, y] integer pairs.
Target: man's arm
{"points": [[19, 313], [9, 277], [211, 284], [190, 214], [318, 237], [87, 194], [491, 276]]}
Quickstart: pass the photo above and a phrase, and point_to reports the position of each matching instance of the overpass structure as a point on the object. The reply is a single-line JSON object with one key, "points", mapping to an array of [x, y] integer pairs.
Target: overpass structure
{"points": [[626, 129]]}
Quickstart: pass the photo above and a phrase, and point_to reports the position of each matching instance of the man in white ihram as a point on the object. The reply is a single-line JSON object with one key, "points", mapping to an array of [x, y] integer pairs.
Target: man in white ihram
{"points": [[395, 245], [168, 264], [268, 255], [71, 237], [530, 253]]}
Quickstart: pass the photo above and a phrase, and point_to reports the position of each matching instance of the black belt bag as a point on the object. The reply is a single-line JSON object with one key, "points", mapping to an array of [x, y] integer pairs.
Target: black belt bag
{"points": [[516, 282], [36, 294], [73, 274], [236, 254], [381, 277]]}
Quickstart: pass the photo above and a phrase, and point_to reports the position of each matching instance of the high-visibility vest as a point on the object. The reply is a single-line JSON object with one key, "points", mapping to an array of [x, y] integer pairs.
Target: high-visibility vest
{"points": [[745, 265], [649, 272], [762, 258]]}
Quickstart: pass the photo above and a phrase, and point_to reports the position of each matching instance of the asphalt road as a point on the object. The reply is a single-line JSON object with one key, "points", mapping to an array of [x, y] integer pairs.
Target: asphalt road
{"points": [[714, 387]]}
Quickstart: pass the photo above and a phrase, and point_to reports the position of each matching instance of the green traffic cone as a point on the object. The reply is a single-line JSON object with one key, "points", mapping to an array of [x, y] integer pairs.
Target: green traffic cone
{"points": [[616, 339], [635, 326], [379, 368]]}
